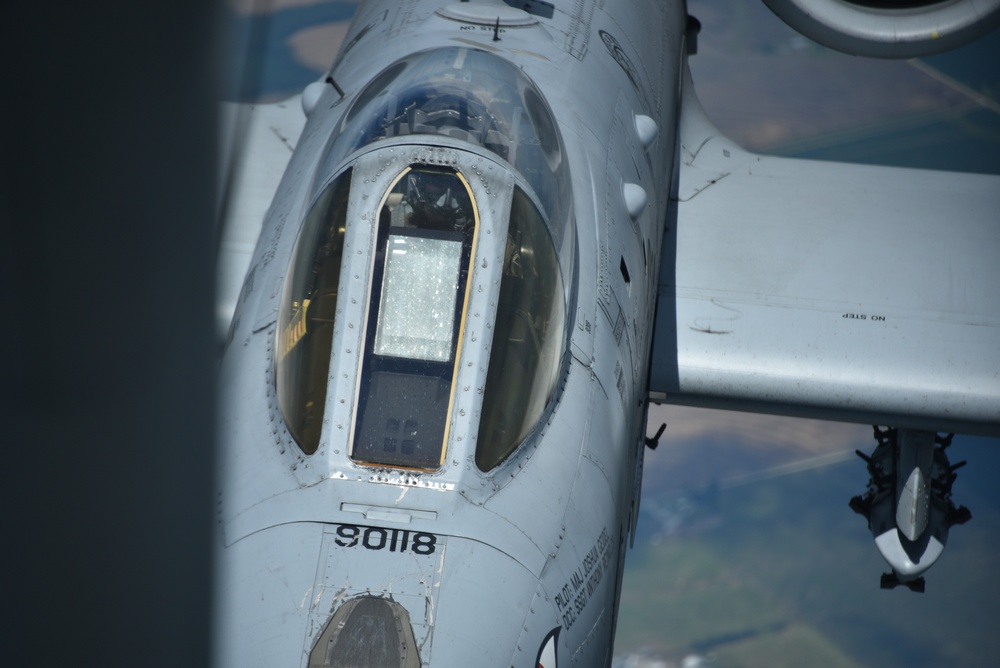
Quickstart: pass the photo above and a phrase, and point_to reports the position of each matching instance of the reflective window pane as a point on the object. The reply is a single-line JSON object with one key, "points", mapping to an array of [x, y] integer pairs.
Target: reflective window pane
{"points": [[528, 338], [417, 313], [306, 316]]}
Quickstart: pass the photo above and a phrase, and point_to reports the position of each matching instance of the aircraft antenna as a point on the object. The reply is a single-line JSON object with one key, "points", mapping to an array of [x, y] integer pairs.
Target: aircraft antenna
{"points": [[330, 80], [654, 441]]}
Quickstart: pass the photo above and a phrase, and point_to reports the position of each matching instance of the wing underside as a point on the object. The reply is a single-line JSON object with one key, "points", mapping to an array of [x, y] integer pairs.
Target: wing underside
{"points": [[827, 290]]}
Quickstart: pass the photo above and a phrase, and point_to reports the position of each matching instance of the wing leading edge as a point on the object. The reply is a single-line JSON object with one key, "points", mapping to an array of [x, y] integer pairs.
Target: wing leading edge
{"points": [[827, 290]]}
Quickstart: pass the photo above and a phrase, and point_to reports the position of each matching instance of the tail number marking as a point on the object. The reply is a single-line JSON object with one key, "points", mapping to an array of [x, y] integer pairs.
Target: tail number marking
{"points": [[394, 540]]}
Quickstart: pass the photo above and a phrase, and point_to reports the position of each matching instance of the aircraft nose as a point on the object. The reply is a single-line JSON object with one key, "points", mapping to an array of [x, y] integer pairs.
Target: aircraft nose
{"points": [[908, 563], [375, 596], [367, 631], [453, 602]]}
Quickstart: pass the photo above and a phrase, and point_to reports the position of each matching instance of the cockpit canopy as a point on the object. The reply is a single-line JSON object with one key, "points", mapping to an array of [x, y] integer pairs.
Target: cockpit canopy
{"points": [[424, 243], [472, 96], [421, 219]]}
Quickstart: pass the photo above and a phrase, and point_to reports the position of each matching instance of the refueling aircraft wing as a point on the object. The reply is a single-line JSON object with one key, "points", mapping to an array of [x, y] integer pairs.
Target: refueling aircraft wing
{"points": [[827, 290], [257, 143]]}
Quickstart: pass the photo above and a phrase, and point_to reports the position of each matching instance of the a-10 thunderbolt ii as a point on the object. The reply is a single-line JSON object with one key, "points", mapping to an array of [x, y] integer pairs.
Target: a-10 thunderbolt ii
{"points": [[504, 229]]}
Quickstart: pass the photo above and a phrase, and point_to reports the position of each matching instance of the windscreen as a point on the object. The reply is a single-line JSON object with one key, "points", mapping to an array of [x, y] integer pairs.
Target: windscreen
{"points": [[424, 246], [473, 96]]}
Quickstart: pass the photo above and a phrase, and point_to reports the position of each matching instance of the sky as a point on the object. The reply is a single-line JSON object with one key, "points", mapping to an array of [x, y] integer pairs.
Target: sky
{"points": [[773, 91]]}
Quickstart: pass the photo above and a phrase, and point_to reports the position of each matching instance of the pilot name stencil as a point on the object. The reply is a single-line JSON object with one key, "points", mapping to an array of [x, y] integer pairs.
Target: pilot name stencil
{"points": [[573, 597]]}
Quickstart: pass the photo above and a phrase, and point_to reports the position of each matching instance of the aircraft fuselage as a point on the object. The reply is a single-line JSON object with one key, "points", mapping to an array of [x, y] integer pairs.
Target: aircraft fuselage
{"points": [[435, 381]]}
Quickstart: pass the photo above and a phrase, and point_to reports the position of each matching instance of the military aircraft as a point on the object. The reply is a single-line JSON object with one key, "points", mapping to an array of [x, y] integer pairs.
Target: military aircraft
{"points": [[504, 229]]}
